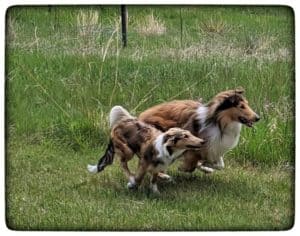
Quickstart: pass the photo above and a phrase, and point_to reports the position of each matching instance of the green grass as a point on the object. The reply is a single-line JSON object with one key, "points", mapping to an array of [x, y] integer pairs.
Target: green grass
{"points": [[63, 77], [48, 188]]}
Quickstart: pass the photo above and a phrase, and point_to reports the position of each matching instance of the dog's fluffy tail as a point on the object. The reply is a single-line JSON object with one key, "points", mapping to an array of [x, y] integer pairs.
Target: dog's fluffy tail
{"points": [[116, 114], [105, 160]]}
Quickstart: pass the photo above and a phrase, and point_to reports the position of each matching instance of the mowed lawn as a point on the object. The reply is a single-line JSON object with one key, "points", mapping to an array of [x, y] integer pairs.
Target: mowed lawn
{"points": [[66, 68]]}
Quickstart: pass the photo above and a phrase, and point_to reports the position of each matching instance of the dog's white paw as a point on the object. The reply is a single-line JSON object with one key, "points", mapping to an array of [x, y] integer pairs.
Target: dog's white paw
{"points": [[154, 189], [131, 184], [164, 176], [92, 169], [206, 170], [219, 165]]}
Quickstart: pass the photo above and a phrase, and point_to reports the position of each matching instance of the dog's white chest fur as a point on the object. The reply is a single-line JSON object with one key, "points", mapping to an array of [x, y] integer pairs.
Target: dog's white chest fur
{"points": [[164, 155], [231, 135], [219, 142]]}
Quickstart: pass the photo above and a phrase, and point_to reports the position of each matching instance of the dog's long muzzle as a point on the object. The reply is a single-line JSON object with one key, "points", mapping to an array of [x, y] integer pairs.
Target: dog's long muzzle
{"points": [[196, 146], [249, 122]]}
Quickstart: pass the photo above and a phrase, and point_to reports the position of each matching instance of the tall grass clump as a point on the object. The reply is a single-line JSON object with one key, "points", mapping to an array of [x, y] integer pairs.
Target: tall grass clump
{"points": [[151, 25]]}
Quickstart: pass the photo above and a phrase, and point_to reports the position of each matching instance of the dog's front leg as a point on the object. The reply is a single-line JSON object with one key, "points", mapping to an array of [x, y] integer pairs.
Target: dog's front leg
{"points": [[189, 162], [219, 165], [208, 167]]}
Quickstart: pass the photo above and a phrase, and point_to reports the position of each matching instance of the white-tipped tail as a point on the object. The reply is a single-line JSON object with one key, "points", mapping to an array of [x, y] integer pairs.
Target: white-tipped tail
{"points": [[116, 114], [92, 169]]}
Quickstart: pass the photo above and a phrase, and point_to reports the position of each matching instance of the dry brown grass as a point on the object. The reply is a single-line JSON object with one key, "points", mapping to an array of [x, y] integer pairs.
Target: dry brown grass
{"points": [[87, 22], [12, 28], [262, 50], [151, 26], [214, 26], [89, 30]]}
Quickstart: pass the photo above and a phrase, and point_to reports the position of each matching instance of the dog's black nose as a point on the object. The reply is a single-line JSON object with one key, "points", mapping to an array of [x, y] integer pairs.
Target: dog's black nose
{"points": [[257, 118], [203, 142]]}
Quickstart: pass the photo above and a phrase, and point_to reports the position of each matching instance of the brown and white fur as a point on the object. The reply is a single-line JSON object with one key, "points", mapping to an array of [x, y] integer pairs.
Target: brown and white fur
{"points": [[156, 149], [219, 122]]}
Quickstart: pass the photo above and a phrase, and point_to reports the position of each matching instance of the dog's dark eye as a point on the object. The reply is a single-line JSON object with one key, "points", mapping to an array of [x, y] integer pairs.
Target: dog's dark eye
{"points": [[242, 106], [185, 136]]}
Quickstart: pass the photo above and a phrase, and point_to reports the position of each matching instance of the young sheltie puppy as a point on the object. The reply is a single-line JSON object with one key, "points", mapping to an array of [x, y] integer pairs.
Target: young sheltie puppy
{"points": [[218, 122], [156, 149]]}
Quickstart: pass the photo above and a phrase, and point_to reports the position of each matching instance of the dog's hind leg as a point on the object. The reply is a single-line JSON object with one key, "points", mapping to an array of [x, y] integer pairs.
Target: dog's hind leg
{"points": [[153, 183], [128, 173], [125, 154], [141, 171]]}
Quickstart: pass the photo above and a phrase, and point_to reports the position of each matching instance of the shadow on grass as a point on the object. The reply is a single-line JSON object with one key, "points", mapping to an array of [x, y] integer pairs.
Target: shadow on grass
{"points": [[183, 185], [214, 184]]}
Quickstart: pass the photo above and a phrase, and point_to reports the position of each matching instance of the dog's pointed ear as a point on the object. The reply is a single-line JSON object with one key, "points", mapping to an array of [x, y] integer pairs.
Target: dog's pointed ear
{"points": [[232, 99], [239, 90]]}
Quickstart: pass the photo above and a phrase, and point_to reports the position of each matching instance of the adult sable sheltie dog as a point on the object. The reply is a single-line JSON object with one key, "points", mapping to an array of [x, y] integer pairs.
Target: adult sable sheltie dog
{"points": [[156, 149], [218, 122]]}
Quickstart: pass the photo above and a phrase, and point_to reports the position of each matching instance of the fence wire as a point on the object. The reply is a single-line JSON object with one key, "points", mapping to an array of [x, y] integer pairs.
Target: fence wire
{"points": [[85, 37], [94, 31]]}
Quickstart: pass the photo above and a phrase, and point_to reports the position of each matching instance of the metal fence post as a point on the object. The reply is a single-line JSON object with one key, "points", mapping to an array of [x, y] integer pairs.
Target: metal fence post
{"points": [[124, 24], [180, 28]]}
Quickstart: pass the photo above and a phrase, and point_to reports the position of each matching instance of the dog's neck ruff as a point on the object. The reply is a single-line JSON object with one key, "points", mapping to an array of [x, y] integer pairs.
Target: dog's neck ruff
{"points": [[218, 141], [162, 150], [160, 147], [202, 113]]}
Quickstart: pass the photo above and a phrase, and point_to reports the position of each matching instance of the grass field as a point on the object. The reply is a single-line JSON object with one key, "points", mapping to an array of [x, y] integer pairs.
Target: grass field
{"points": [[66, 68]]}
